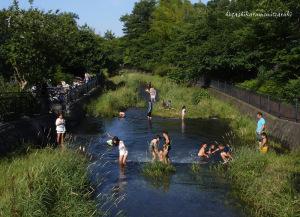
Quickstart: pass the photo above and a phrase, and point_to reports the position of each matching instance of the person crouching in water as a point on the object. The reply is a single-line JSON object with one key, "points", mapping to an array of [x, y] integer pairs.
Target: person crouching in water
{"points": [[201, 152], [224, 152], [153, 147], [123, 153]]}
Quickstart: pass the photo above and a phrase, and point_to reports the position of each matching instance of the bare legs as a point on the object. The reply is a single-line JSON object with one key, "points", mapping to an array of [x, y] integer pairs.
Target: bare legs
{"points": [[122, 159], [60, 136], [153, 156]]}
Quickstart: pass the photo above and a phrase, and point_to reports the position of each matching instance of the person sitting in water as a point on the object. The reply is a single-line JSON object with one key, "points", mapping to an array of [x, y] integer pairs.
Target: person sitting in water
{"points": [[160, 156], [121, 114], [211, 149], [153, 147], [201, 152], [224, 152], [167, 147]]}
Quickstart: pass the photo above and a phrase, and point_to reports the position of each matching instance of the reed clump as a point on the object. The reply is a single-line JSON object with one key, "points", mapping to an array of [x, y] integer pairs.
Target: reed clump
{"points": [[46, 182], [158, 171]]}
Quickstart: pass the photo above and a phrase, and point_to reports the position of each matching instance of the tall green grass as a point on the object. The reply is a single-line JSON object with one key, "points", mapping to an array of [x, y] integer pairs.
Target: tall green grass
{"points": [[46, 182], [268, 182], [198, 102], [113, 101]]}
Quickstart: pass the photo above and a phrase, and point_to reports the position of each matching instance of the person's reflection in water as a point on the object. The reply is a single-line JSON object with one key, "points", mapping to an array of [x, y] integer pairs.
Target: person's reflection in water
{"points": [[121, 180], [150, 126], [182, 126]]}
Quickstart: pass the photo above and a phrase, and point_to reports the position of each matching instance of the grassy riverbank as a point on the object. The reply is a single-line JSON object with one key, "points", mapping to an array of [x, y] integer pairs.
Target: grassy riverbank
{"points": [[46, 182], [267, 182], [117, 96]]}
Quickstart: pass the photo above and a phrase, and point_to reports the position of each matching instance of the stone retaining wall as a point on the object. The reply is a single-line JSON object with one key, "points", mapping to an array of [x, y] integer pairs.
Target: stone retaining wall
{"points": [[287, 133]]}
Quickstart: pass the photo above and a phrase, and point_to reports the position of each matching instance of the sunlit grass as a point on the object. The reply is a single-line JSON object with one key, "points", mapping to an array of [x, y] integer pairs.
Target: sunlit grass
{"points": [[46, 182], [158, 171], [268, 181]]}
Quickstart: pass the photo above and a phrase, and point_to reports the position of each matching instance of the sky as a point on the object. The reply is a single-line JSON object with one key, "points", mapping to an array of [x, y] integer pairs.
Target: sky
{"points": [[101, 15]]}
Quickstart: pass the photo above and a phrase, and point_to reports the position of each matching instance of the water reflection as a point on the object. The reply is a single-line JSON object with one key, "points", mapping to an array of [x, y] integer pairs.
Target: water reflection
{"points": [[121, 181], [150, 126], [182, 127]]}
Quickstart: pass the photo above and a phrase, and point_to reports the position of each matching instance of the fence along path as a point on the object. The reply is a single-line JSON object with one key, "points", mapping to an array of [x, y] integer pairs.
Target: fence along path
{"points": [[14, 105], [281, 106]]}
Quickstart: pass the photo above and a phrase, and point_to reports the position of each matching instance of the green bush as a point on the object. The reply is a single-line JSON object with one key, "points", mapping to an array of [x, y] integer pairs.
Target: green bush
{"points": [[200, 94]]}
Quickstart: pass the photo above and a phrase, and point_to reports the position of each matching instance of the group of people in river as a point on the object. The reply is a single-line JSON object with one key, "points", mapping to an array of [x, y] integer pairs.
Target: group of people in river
{"points": [[163, 155], [205, 153]]}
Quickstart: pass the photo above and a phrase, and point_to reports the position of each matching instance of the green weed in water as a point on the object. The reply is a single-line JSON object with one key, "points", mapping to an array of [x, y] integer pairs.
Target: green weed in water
{"points": [[158, 171], [196, 168]]}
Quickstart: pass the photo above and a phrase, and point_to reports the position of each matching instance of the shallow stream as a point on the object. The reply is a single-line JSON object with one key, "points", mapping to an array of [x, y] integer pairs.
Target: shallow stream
{"points": [[186, 193]]}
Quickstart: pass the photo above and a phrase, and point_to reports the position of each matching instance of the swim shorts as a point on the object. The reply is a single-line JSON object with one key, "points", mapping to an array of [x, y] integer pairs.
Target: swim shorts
{"points": [[123, 153]]}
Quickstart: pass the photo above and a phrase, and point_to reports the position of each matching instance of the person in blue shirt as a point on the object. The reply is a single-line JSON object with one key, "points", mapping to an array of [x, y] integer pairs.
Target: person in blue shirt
{"points": [[261, 125], [224, 152], [149, 110]]}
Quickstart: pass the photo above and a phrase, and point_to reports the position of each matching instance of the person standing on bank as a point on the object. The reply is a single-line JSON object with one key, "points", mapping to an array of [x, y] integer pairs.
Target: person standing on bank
{"points": [[87, 77], [149, 110], [60, 128], [152, 94], [261, 125]]}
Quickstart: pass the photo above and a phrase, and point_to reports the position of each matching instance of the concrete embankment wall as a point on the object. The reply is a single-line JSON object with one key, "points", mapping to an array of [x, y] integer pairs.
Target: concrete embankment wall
{"points": [[42, 130], [287, 133]]}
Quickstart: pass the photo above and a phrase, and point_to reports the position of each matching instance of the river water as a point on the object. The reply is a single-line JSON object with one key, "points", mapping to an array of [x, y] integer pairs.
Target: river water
{"points": [[185, 194]]}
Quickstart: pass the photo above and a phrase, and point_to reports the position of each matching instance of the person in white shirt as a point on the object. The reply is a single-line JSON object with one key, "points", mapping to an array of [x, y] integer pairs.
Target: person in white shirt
{"points": [[60, 128], [123, 152], [87, 77], [183, 112]]}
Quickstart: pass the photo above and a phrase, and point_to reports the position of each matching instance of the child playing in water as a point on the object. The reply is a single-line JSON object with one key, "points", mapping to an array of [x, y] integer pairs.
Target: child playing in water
{"points": [[211, 149], [224, 152], [153, 147], [183, 112], [160, 156], [167, 146], [123, 153], [201, 152]]}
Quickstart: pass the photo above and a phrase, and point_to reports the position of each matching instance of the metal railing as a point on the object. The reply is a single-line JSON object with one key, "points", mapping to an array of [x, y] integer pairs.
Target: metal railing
{"points": [[77, 92], [281, 106], [14, 105]]}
